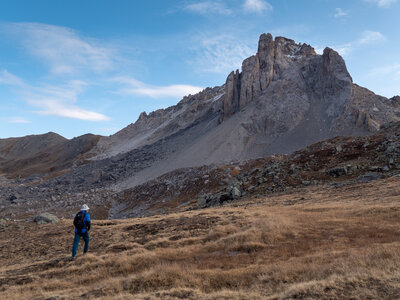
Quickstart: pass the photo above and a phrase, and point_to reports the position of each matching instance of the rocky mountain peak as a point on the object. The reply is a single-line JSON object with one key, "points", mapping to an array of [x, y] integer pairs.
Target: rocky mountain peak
{"points": [[396, 99], [334, 64], [282, 59], [267, 47], [142, 116], [272, 57]]}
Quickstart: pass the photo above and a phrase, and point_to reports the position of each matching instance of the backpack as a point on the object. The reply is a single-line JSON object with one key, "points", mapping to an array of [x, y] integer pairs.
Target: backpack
{"points": [[79, 220]]}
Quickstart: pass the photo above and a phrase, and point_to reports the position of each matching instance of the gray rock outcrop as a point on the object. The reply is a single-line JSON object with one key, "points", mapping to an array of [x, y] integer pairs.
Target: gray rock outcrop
{"points": [[3, 223], [293, 85], [259, 70], [45, 218]]}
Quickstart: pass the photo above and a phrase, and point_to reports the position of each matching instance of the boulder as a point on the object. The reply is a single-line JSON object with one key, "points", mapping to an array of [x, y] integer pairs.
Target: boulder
{"points": [[45, 218], [369, 176], [236, 193], [12, 198], [376, 169], [337, 172], [3, 223], [211, 200]]}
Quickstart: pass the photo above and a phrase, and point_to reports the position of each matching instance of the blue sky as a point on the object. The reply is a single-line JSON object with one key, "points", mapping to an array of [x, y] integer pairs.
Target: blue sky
{"points": [[76, 67]]}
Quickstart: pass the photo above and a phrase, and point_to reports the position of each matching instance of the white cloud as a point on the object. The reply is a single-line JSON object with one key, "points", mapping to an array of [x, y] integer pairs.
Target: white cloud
{"points": [[371, 37], [18, 120], [340, 13], [135, 87], [345, 49], [367, 37], [10, 79], [53, 100], [257, 6], [61, 48], [382, 3], [55, 107], [220, 54], [208, 7]]}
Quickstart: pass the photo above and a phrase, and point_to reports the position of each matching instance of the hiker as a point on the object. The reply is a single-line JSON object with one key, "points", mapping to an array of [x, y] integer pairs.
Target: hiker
{"points": [[82, 227]]}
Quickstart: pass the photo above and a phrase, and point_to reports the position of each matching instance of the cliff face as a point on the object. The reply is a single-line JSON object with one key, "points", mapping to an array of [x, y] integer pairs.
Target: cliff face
{"points": [[269, 64]]}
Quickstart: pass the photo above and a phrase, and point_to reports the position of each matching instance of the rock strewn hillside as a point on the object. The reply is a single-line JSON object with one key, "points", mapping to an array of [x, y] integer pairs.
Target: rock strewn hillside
{"points": [[336, 162]]}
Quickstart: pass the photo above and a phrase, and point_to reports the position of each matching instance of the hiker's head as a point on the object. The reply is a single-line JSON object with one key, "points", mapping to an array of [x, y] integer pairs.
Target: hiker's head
{"points": [[85, 207]]}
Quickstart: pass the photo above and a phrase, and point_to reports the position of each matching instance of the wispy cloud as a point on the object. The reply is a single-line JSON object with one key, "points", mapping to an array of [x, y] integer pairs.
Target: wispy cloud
{"points": [[257, 6], [18, 120], [208, 7], [367, 37], [132, 86], [371, 37], [382, 3], [52, 100], [10, 79], [61, 101], [61, 48], [340, 13], [344, 49], [220, 54]]}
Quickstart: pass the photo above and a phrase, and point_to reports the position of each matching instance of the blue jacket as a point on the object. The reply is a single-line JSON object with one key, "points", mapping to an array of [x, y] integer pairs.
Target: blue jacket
{"points": [[86, 222]]}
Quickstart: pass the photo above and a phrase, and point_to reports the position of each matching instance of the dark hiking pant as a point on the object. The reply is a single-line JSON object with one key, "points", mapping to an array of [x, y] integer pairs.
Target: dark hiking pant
{"points": [[76, 242]]}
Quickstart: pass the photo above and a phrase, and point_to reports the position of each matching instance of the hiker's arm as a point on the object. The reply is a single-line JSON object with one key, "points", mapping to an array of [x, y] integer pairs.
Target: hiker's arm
{"points": [[88, 222]]}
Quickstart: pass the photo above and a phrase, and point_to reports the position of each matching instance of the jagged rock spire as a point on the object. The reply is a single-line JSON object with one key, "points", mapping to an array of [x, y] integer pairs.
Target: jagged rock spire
{"points": [[273, 61]]}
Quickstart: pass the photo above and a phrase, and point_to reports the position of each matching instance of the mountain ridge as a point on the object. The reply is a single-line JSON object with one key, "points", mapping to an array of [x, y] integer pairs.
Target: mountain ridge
{"points": [[44, 153]]}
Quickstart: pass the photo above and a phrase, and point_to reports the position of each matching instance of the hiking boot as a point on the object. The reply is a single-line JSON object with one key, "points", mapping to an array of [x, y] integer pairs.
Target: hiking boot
{"points": [[72, 258]]}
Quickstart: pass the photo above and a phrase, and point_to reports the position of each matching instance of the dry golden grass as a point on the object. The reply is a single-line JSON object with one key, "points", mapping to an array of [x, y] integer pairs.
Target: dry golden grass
{"points": [[336, 243]]}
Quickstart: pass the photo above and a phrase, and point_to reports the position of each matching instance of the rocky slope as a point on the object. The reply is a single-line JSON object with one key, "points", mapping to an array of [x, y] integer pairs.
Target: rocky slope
{"points": [[341, 161], [336, 162]]}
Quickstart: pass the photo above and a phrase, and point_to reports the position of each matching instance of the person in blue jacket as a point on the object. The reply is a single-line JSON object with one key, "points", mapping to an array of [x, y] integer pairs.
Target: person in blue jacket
{"points": [[82, 227]]}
